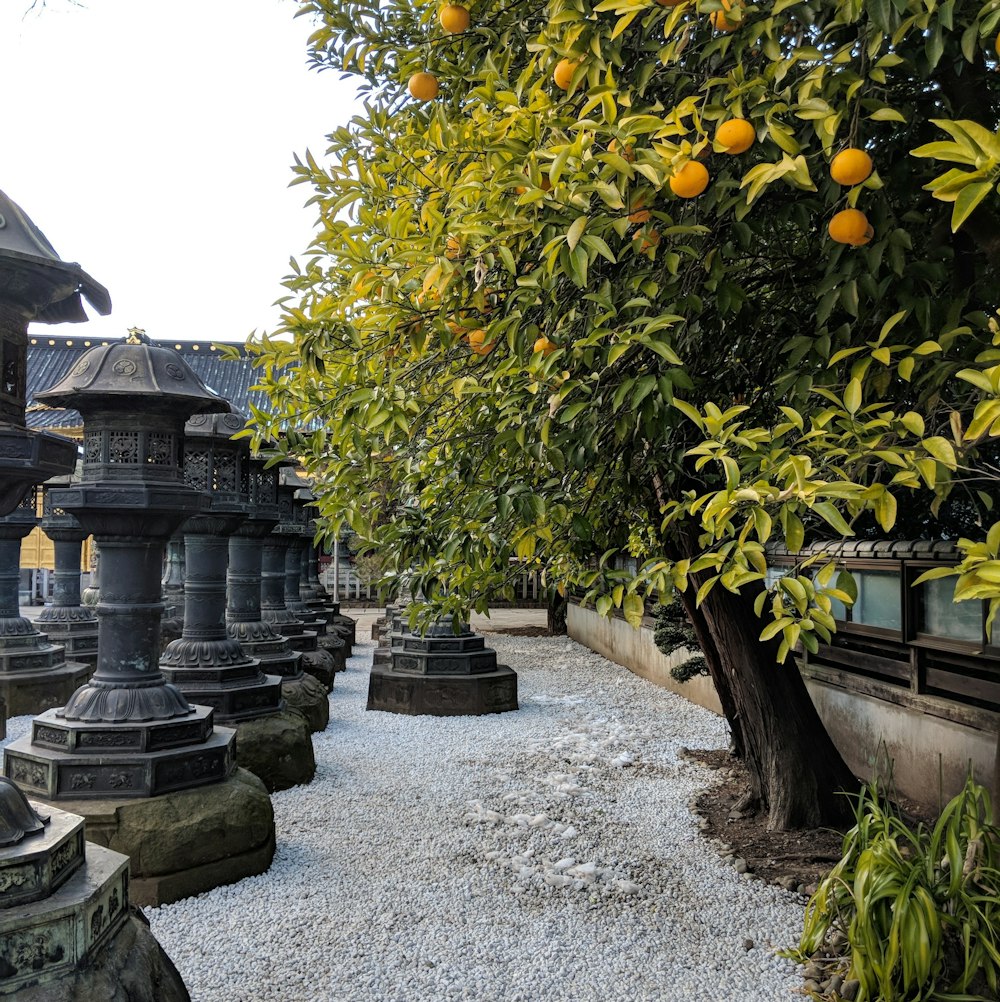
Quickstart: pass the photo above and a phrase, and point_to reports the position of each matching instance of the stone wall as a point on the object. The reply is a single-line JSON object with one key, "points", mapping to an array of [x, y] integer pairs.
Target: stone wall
{"points": [[929, 746]]}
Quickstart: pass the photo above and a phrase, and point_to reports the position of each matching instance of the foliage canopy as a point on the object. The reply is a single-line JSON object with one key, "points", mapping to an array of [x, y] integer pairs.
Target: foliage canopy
{"points": [[724, 374]]}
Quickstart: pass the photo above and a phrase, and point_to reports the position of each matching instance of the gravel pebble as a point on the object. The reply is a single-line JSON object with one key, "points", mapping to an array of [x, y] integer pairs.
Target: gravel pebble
{"points": [[546, 854]]}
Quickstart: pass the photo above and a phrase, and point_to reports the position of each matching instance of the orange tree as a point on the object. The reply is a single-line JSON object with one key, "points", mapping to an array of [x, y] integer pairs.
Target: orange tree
{"points": [[591, 281]]}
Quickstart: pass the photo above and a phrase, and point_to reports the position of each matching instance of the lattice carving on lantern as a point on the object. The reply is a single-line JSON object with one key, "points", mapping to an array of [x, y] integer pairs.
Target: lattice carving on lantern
{"points": [[224, 472], [160, 449], [264, 488], [196, 466], [123, 448], [28, 503], [92, 447]]}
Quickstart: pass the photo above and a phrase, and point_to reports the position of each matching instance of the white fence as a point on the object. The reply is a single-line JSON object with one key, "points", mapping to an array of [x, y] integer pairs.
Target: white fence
{"points": [[352, 588]]}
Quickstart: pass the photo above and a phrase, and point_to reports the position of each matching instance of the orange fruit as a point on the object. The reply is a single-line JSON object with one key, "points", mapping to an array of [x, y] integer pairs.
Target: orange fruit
{"points": [[690, 181], [478, 343], [563, 73], [639, 214], [851, 166], [996, 45], [649, 239], [737, 135], [624, 150], [719, 20], [544, 345], [851, 226], [452, 248], [423, 86], [454, 19]]}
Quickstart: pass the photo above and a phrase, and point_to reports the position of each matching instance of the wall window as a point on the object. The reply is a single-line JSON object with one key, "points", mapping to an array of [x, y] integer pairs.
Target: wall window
{"points": [[940, 616], [879, 600]]}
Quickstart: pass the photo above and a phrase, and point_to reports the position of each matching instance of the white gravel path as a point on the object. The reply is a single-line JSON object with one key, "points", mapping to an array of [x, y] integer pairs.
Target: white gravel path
{"points": [[548, 854]]}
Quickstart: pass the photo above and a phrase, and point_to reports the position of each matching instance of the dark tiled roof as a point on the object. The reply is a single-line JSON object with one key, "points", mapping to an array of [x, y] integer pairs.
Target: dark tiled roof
{"points": [[51, 358]]}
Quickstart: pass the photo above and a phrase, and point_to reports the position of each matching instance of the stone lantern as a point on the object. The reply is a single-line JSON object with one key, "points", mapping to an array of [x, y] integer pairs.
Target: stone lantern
{"points": [[128, 736], [35, 286], [327, 639], [65, 619], [444, 672], [277, 570], [244, 621], [205, 663], [34, 673], [313, 602]]}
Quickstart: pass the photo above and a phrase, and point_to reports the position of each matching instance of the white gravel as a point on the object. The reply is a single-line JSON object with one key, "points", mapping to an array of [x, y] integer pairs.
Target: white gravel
{"points": [[548, 854]]}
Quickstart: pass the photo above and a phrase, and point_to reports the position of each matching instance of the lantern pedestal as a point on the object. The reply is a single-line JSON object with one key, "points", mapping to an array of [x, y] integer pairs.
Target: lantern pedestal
{"points": [[275, 613], [258, 639], [442, 674], [65, 619], [34, 674]]}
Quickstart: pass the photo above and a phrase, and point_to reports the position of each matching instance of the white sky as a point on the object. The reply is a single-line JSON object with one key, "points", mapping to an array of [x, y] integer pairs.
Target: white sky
{"points": [[152, 142]]}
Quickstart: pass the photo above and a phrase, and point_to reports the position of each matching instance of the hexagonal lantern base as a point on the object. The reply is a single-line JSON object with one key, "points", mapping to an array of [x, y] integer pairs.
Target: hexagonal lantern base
{"points": [[46, 940], [443, 695], [69, 759], [33, 691]]}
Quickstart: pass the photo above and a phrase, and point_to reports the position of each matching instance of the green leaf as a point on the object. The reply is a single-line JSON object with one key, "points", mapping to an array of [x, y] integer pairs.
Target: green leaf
{"points": [[575, 231], [852, 396], [968, 198], [632, 608]]}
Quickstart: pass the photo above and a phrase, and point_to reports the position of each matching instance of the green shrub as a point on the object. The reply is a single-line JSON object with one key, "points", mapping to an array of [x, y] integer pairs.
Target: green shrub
{"points": [[672, 631], [919, 907]]}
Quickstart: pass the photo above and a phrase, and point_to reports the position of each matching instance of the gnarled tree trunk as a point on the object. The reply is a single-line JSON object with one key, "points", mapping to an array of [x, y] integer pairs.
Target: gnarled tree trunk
{"points": [[797, 773]]}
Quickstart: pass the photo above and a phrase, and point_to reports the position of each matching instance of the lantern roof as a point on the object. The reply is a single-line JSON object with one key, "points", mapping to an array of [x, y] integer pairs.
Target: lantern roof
{"points": [[133, 372], [33, 273]]}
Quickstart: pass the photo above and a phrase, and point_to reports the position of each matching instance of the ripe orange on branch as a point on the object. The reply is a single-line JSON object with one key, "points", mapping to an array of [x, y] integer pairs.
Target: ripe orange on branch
{"points": [[851, 166], [544, 345], [563, 73], [690, 181], [454, 18], [737, 135], [423, 86], [720, 20], [478, 342], [851, 226]]}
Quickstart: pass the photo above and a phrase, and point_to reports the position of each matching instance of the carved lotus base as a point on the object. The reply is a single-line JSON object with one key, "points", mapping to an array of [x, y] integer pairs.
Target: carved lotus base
{"points": [[69, 616], [189, 653], [443, 695], [115, 703], [30, 692], [62, 762], [51, 938]]}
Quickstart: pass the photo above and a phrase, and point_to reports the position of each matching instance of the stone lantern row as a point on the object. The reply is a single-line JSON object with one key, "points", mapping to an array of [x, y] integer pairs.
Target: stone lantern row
{"points": [[64, 904]]}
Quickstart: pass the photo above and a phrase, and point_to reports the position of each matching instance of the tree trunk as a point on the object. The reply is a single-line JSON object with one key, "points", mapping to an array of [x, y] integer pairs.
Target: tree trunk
{"points": [[718, 675], [556, 614], [796, 771]]}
